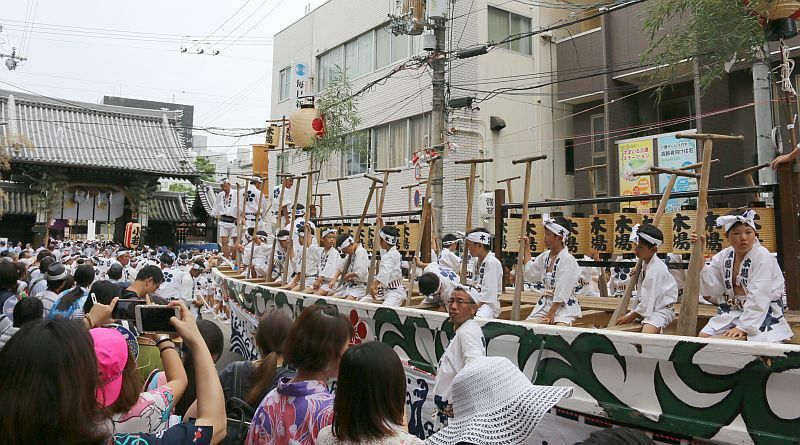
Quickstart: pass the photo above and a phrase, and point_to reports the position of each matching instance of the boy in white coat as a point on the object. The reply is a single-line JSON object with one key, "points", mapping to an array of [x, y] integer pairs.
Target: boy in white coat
{"points": [[656, 290], [487, 273], [328, 263], [387, 287], [354, 286]]}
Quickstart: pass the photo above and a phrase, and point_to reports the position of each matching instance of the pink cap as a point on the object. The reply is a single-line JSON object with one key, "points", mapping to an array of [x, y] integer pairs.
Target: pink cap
{"points": [[111, 350]]}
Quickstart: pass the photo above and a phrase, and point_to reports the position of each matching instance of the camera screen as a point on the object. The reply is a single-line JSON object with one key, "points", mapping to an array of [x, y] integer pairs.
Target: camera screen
{"points": [[156, 318], [126, 309]]}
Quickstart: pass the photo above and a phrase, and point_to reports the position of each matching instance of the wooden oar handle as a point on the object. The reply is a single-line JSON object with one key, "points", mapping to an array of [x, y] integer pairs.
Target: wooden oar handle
{"points": [[747, 170], [508, 179], [338, 179], [670, 171], [696, 166], [374, 179], [529, 159], [410, 186], [474, 161], [285, 175], [466, 178], [713, 137], [590, 168], [312, 172], [388, 170], [322, 194]]}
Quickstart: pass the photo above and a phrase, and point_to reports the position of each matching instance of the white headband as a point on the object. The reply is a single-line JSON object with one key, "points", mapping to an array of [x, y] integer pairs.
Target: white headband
{"points": [[283, 238], [347, 243], [450, 243], [327, 232], [551, 225], [480, 238], [196, 266], [636, 234], [392, 240], [299, 212], [473, 293], [728, 221]]}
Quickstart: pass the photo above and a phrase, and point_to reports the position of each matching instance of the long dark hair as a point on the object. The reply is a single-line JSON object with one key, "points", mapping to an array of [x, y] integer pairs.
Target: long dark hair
{"points": [[370, 393], [132, 383], [84, 275], [316, 338], [29, 385], [270, 335], [104, 291], [214, 340]]}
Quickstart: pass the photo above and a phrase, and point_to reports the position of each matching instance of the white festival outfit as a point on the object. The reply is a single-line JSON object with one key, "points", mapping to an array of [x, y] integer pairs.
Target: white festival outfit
{"points": [[449, 259], [620, 277], [448, 280], [561, 280], [328, 263], [759, 313], [249, 200], [467, 344], [585, 287], [280, 258], [656, 290], [359, 265], [313, 258], [226, 209], [276, 197], [391, 291], [487, 278]]}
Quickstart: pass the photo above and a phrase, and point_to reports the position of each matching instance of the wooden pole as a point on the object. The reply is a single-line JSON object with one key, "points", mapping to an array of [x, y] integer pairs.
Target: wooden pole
{"points": [[239, 222], [748, 176], [309, 198], [376, 239], [602, 284], [357, 236], [338, 182], [526, 194], [290, 250], [687, 321], [321, 197], [473, 165], [278, 229], [507, 182], [412, 267]]}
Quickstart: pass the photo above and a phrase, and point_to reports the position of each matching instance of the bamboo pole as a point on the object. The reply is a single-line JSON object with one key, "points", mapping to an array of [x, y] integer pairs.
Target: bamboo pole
{"points": [[290, 249], [376, 239], [412, 267], [473, 166]]}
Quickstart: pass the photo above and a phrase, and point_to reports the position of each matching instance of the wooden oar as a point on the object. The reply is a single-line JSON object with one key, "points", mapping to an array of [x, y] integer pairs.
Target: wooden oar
{"points": [[473, 166], [279, 221], [602, 284], [687, 322], [376, 239], [251, 269], [357, 236], [338, 182], [290, 249], [748, 176], [412, 267], [321, 197], [526, 194], [309, 197]]}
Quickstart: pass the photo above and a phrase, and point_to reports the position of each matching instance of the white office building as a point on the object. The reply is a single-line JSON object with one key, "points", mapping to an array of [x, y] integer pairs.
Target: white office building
{"points": [[396, 113]]}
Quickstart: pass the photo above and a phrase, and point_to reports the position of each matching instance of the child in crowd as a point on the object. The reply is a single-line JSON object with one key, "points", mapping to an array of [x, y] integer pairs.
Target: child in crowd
{"points": [[328, 262], [387, 287], [487, 273], [354, 269]]}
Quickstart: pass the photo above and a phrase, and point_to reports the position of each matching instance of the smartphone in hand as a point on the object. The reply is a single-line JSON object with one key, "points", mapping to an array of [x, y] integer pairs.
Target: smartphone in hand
{"points": [[155, 318], [126, 309]]}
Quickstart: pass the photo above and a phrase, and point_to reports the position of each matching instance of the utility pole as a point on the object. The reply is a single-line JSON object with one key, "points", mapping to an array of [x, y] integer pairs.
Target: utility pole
{"points": [[438, 122]]}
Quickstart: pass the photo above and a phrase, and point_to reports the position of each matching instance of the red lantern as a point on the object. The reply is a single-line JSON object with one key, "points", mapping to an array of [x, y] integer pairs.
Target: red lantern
{"points": [[133, 235], [306, 126]]}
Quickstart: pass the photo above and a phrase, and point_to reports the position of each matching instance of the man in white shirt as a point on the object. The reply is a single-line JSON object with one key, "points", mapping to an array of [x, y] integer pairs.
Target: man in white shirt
{"points": [[279, 207], [249, 200], [226, 211], [487, 274]]}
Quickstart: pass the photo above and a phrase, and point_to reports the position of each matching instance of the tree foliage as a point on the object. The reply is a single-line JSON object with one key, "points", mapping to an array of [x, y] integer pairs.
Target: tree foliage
{"points": [[181, 187], [711, 32], [339, 109], [206, 168]]}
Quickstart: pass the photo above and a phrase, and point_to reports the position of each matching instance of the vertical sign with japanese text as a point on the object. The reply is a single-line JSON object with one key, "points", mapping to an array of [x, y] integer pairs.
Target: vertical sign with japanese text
{"points": [[635, 156], [676, 153], [301, 84]]}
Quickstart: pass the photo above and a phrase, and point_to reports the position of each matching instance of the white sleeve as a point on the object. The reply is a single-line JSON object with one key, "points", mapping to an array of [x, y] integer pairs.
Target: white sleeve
{"points": [[658, 290], [534, 269], [472, 343], [760, 285], [218, 204], [362, 265], [492, 282], [567, 276], [711, 277], [388, 265]]}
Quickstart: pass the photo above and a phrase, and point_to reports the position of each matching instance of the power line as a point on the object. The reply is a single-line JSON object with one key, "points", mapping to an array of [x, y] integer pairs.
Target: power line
{"points": [[223, 24], [256, 24]]}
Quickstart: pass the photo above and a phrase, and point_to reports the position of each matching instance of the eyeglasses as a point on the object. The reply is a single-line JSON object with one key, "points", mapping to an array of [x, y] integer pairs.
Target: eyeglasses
{"points": [[460, 302]]}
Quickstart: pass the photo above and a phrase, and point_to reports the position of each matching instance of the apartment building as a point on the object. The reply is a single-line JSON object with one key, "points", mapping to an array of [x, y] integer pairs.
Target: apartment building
{"points": [[396, 113]]}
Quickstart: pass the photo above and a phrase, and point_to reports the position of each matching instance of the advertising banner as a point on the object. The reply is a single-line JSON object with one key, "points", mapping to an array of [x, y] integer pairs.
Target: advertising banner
{"points": [[676, 153], [635, 157]]}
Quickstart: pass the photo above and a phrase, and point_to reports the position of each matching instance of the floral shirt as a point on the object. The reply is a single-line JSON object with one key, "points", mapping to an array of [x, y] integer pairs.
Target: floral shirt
{"points": [[150, 414], [292, 414], [181, 434]]}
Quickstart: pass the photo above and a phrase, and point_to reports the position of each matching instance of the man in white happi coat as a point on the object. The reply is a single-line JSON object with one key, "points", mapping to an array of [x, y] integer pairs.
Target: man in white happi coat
{"points": [[249, 200], [487, 273], [226, 209]]}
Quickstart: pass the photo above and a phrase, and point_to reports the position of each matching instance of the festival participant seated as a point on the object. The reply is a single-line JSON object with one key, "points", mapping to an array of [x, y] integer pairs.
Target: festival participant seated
{"points": [[281, 251], [559, 272], [437, 283], [656, 290], [466, 345], [313, 255], [745, 281], [70, 303], [354, 285], [494, 403], [251, 381], [295, 411], [130, 410], [487, 273], [328, 263], [589, 280], [58, 279], [74, 416], [387, 287], [620, 276], [147, 282], [447, 257], [299, 221], [370, 399], [259, 249]]}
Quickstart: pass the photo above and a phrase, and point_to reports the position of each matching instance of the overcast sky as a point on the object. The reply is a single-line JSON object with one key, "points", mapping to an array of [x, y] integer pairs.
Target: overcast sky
{"points": [[83, 49]]}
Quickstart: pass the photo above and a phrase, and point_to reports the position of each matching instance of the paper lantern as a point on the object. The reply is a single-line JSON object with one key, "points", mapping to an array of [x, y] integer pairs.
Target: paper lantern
{"points": [[623, 226], [580, 238], [775, 9], [133, 235], [601, 233], [306, 126], [486, 205], [260, 160]]}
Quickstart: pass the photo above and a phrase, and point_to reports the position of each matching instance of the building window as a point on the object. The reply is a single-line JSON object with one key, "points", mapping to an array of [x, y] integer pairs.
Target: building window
{"points": [[383, 48], [285, 80], [503, 24], [677, 114], [329, 64], [280, 160], [569, 157], [355, 157], [599, 153]]}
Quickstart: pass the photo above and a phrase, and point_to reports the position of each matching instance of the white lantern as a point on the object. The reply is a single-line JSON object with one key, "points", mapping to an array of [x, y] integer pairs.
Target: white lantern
{"points": [[306, 126], [486, 205]]}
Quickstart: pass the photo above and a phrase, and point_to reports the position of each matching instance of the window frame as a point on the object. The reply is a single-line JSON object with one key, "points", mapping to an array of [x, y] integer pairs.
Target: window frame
{"points": [[599, 157], [288, 78], [510, 17]]}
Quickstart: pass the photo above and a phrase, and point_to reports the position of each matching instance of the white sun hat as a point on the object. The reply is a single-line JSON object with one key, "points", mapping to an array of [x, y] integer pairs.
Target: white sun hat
{"points": [[495, 404]]}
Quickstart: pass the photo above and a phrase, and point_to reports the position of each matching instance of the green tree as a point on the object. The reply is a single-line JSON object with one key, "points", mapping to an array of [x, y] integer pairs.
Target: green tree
{"points": [[180, 187], [712, 32], [206, 168]]}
